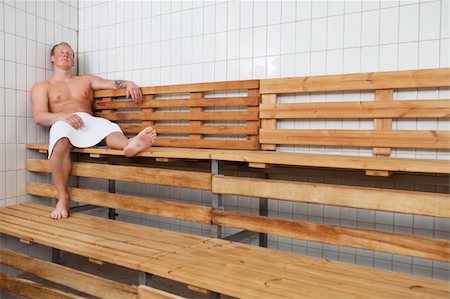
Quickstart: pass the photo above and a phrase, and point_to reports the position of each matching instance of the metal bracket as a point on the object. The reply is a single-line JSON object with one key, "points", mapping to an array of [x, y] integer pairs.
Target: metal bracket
{"points": [[216, 200], [144, 278], [56, 256]]}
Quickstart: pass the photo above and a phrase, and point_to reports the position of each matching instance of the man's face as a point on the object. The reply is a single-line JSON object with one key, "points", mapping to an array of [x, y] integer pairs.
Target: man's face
{"points": [[63, 57]]}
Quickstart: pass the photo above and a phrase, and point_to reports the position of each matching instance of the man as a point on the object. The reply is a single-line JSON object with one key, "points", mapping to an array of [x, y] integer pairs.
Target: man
{"points": [[64, 103]]}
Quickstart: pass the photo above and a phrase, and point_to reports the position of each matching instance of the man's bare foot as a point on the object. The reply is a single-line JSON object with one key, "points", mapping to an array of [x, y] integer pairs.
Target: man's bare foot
{"points": [[140, 142], [61, 210]]}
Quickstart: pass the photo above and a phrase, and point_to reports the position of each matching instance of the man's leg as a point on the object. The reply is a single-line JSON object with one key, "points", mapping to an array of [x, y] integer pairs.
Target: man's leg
{"points": [[61, 166], [132, 146]]}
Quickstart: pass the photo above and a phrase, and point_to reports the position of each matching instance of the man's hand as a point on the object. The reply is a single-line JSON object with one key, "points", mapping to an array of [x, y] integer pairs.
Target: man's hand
{"points": [[74, 120], [133, 91]]}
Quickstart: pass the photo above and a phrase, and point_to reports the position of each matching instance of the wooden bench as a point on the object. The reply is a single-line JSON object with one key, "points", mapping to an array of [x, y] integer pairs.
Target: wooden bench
{"points": [[196, 151], [76, 280]]}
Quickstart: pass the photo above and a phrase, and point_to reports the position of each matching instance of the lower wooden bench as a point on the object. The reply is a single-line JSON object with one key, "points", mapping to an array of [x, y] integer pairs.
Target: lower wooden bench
{"points": [[70, 278], [217, 265]]}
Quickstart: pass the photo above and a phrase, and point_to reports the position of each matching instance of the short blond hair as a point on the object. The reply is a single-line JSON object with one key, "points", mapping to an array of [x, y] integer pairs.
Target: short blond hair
{"points": [[52, 52]]}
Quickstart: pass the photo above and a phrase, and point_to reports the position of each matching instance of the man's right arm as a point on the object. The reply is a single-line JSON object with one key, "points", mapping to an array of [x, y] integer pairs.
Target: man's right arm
{"points": [[42, 115]]}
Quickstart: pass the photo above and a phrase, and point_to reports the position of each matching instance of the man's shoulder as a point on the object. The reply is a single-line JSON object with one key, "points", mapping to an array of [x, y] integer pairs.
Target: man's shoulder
{"points": [[41, 84]]}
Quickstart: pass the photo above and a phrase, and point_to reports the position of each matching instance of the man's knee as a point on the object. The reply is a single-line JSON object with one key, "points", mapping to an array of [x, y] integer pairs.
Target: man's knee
{"points": [[62, 147]]}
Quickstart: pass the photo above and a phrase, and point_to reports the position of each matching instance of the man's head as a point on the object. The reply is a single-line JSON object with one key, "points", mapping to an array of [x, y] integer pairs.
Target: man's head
{"points": [[62, 54]]}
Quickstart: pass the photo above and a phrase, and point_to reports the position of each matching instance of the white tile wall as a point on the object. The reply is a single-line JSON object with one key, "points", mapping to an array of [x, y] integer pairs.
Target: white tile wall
{"points": [[28, 30]]}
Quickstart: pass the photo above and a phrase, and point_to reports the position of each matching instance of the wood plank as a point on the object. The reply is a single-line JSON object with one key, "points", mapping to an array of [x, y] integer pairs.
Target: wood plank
{"points": [[162, 208], [195, 87], [357, 109], [336, 161], [104, 241], [284, 158], [200, 102], [254, 93], [145, 236], [259, 282], [359, 138], [145, 292], [208, 143], [166, 177], [270, 122], [438, 249], [78, 244], [153, 152], [77, 280], [360, 81], [32, 289], [176, 116], [146, 124], [247, 263], [302, 267], [113, 243], [384, 124], [196, 123], [249, 129], [400, 201]]}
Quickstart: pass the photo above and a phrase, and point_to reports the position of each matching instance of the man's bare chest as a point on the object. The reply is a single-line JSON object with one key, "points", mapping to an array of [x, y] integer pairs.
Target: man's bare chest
{"points": [[61, 92]]}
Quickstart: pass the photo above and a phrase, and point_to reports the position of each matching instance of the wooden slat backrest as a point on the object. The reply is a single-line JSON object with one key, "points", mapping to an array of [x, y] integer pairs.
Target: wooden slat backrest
{"points": [[187, 116], [383, 109], [399, 201], [165, 177]]}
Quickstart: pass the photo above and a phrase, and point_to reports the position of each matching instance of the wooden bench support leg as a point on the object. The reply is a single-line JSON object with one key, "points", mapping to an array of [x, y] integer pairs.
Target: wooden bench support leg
{"points": [[112, 189], [216, 200], [263, 211], [144, 278], [56, 256]]}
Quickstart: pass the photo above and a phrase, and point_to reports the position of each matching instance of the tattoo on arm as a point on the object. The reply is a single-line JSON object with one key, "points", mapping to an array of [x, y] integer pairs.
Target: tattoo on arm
{"points": [[120, 83]]}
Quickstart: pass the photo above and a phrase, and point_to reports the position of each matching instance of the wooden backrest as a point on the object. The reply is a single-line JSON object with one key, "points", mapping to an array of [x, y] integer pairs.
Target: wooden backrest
{"points": [[382, 109], [205, 115], [398, 201]]}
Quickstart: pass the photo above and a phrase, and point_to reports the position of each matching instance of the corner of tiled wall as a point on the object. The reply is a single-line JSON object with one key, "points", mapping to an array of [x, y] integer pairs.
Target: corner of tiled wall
{"points": [[28, 30]]}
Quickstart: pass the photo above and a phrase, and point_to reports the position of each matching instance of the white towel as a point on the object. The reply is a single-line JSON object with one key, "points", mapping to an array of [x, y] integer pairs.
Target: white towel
{"points": [[95, 129]]}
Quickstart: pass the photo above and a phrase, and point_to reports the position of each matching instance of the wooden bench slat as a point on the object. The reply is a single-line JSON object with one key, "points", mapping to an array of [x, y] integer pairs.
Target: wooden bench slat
{"points": [[358, 138], [357, 110], [32, 289], [424, 247], [241, 274], [336, 161], [183, 88], [284, 158], [145, 292], [207, 143], [294, 264], [77, 280], [178, 116], [25, 230], [355, 285], [201, 102], [143, 247], [361, 81], [204, 129], [410, 202], [175, 178], [137, 232], [187, 212]]}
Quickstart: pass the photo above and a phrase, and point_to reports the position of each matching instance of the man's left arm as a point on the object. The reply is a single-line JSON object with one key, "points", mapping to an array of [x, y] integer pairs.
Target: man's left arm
{"points": [[133, 90]]}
